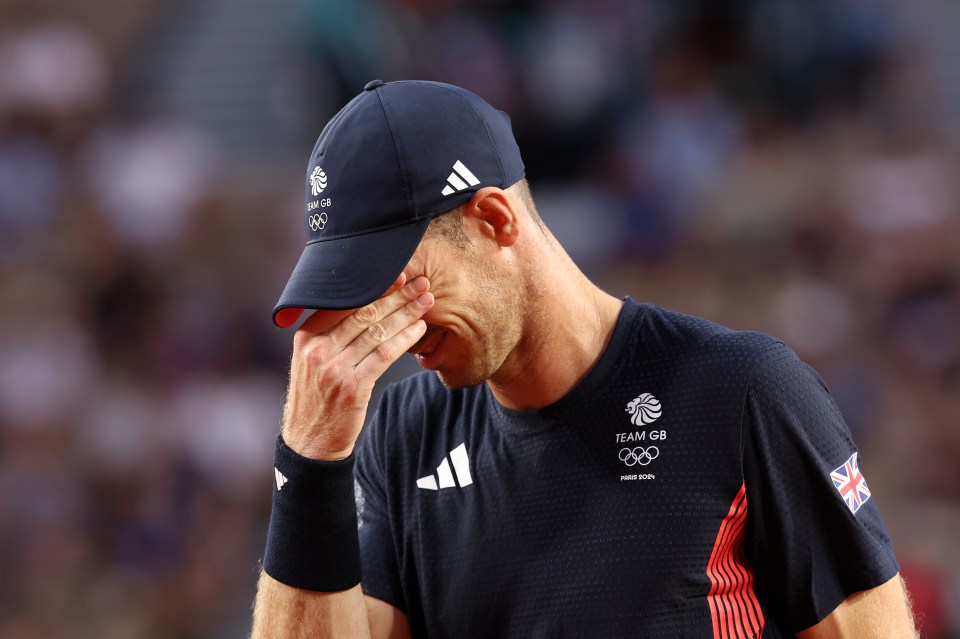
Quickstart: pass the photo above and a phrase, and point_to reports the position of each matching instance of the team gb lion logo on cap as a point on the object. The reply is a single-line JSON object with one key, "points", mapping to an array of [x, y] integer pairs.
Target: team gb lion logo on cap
{"points": [[318, 181], [644, 410]]}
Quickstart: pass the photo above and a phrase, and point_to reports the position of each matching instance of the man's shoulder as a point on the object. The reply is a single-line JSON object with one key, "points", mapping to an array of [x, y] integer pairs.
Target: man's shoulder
{"points": [[667, 330]]}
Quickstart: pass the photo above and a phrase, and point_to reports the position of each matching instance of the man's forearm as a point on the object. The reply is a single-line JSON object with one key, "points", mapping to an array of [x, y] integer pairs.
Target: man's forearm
{"points": [[337, 358], [284, 612], [877, 613]]}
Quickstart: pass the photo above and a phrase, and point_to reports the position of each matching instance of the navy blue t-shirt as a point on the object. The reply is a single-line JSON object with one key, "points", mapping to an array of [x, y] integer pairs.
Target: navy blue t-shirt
{"points": [[699, 482]]}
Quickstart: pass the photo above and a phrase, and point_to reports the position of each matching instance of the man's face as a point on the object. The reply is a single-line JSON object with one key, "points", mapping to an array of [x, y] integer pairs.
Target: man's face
{"points": [[477, 319]]}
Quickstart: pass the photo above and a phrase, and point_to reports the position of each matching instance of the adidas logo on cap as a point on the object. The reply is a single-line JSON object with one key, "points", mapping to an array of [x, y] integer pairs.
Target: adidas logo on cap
{"points": [[460, 179]]}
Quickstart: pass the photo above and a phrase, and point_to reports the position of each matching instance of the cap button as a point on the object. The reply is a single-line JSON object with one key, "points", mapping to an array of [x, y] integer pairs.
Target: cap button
{"points": [[372, 84]]}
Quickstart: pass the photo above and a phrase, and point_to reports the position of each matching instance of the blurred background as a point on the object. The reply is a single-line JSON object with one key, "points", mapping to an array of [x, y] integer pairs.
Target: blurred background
{"points": [[789, 166]]}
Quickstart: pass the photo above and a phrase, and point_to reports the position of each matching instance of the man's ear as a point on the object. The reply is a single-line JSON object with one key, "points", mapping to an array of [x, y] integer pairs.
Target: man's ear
{"points": [[495, 214]]}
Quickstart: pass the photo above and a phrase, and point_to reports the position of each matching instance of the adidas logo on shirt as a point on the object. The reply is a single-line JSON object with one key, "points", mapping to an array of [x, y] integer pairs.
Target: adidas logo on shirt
{"points": [[460, 179], [444, 475]]}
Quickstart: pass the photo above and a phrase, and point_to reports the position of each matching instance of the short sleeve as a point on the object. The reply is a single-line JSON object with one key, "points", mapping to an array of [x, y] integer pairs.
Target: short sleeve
{"points": [[378, 542], [814, 535]]}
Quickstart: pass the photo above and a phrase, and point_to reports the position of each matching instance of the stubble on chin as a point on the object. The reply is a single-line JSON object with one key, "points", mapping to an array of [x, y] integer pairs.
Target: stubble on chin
{"points": [[487, 358], [462, 379]]}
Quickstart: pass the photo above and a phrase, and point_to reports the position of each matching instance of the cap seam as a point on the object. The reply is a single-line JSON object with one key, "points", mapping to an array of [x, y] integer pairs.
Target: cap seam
{"points": [[322, 143], [405, 199]]}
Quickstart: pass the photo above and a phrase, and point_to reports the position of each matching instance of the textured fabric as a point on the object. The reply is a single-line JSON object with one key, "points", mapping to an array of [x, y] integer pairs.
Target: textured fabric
{"points": [[800, 527], [681, 489]]}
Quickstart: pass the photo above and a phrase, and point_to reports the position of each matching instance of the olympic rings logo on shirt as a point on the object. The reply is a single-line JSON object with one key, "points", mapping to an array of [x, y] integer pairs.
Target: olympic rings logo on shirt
{"points": [[317, 221], [639, 455]]}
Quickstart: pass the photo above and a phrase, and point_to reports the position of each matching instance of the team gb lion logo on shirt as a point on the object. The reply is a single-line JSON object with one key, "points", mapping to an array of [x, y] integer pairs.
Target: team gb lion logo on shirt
{"points": [[644, 410]]}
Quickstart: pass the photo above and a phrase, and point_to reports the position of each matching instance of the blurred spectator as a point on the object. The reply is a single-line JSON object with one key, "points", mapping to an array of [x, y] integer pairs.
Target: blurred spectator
{"points": [[151, 177], [53, 82]]}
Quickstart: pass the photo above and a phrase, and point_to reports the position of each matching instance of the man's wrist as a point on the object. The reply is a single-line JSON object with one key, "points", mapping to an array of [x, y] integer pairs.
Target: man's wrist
{"points": [[313, 442], [316, 451], [312, 542]]}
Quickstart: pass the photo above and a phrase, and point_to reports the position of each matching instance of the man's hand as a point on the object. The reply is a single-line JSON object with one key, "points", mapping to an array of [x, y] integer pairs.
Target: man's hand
{"points": [[338, 357]]}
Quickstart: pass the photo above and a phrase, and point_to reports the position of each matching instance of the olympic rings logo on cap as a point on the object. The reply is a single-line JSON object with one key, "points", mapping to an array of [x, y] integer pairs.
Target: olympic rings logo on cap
{"points": [[317, 221], [639, 455]]}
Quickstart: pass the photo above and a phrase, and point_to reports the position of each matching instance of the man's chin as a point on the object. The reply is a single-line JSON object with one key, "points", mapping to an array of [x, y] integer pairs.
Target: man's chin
{"points": [[455, 381]]}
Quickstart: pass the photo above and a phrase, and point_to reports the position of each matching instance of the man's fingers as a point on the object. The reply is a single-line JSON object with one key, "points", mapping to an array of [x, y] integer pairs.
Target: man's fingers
{"points": [[355, 334], [325, 319], [378, 340], [397, 285], [386, 353], [389, 326], [363, 318]]}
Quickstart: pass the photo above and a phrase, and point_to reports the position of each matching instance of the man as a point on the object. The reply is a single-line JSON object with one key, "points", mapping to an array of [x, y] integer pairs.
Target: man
{"points": [[578, 465]]}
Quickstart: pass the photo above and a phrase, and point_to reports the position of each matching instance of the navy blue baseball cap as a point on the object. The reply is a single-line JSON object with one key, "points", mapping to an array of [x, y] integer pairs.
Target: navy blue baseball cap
{"points": [[394, 157]]}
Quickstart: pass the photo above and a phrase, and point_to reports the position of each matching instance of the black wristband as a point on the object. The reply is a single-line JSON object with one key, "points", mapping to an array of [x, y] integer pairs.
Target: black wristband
{"points": [[312, 542]]}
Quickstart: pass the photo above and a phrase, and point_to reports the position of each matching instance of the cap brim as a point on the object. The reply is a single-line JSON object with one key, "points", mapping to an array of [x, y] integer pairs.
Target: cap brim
{"points": [[347, 272]]}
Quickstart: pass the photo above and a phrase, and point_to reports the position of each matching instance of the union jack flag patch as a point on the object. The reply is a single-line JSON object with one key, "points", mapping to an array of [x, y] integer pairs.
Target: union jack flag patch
{"points": [[850, 484]]}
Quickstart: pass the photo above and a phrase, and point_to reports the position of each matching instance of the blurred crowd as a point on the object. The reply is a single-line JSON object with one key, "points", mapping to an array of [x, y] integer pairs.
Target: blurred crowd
{"points": [[777, 165]]}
